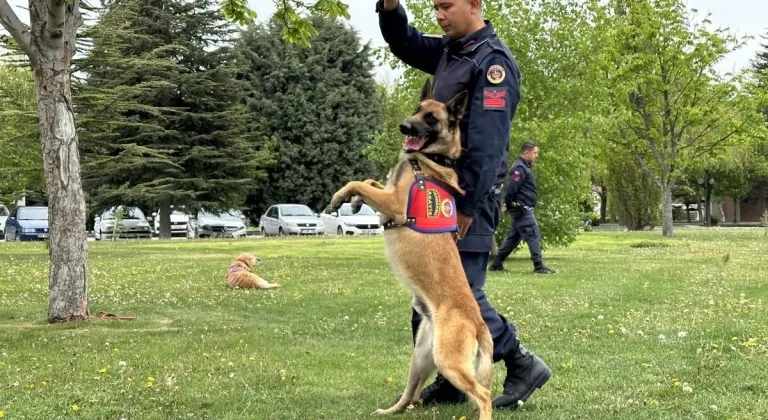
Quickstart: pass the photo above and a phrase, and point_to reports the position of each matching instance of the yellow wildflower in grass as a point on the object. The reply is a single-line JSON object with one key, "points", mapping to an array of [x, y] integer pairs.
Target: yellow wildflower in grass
{"points": [[75, 407], [389, 379], [103, 370], [751, 343], [675, 382], [2, 414], [230, 364]]}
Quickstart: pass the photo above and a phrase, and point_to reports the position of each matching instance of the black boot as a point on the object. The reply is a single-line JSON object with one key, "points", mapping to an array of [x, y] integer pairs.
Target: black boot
{"points": [[441, 391], [525, 373], [496, 265], [540, 268]]}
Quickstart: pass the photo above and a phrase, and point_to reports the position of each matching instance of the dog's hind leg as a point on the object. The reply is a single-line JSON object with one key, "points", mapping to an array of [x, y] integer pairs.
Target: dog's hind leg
{"points": [[456, 347], [422, 366]]}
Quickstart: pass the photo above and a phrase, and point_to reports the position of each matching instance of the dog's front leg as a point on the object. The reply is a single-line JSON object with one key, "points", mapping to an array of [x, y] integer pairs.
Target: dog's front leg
{"points": [[385, 201], [357, 201]]}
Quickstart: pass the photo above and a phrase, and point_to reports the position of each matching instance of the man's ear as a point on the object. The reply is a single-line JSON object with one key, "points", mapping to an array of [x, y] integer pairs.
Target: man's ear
{"points": [[457, 105], [426, 91]]}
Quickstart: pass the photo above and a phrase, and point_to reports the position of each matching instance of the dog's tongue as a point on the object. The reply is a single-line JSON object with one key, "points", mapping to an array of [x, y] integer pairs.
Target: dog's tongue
{"points": [[414, 143]]}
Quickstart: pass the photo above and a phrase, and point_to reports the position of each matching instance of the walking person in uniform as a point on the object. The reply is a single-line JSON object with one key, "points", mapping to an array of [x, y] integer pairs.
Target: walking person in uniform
{"points": [[520, 200], [471, 57]]}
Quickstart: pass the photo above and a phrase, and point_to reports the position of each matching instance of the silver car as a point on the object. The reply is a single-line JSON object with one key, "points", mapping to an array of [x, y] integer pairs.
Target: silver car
{"points": [[290, 219], [3, 218], [133, 224], [230, 224]]}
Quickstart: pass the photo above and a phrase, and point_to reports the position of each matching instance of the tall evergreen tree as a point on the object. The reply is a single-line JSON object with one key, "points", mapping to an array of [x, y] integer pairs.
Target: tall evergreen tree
{"points": [[162, 110], [319, 104]]}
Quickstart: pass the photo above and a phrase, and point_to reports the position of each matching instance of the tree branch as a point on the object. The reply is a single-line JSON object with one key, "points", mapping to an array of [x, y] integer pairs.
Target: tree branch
{"points": [[18, 30], [57, 15]]}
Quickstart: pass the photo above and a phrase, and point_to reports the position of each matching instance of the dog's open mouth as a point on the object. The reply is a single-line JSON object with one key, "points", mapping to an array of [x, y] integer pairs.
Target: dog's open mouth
{"points": [[414, 144]]}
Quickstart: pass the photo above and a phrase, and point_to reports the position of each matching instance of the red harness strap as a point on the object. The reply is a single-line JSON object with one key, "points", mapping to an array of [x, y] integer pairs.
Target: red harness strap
{"points": [[431, 208]]}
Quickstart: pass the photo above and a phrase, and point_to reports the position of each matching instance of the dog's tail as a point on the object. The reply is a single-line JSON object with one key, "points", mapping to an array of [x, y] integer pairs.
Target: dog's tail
{"points": [[484, 371]]}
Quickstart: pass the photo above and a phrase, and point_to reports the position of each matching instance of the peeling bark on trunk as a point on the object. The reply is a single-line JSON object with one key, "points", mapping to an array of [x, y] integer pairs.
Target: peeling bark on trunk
{"points": [[165, 219], [666, 199]]}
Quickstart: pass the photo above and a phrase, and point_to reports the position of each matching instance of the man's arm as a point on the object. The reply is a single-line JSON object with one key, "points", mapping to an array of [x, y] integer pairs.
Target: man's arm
{"points": [[493, 105], [515, 180], [406, 42]]}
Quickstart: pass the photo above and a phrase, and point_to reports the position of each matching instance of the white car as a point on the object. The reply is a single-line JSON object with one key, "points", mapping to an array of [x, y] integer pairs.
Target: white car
{"points": [[3, 217], [290, 219], [179, 222], [343, 222], [229, 224], [133, 225]]}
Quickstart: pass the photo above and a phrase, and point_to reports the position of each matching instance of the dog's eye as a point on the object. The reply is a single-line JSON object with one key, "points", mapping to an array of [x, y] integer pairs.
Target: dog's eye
{"points": [[430, 119]]}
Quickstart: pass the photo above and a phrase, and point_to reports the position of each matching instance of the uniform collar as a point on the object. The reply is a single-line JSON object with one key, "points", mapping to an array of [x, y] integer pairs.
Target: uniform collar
{"points": [[470, 42], [525, 162]]}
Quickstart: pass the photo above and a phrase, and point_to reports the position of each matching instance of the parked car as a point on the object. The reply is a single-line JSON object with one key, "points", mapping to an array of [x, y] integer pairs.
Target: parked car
{"points": [[133, 224], [290, 219], [343, 222], [27, 223], [3, 218], [179, 221], [205, 224]]}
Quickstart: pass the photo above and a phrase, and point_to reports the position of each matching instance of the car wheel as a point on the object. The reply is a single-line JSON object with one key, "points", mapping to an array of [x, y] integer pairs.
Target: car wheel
{"points": [[340, 231], [103, 236], [263, 232], [280, 231]]}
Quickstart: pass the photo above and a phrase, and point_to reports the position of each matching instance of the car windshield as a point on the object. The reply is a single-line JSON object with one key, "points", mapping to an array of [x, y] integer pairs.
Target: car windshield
{"points": [[296, 211], [3, 211], [38, 213], [232, 214], [132, 213], [346, 210]]}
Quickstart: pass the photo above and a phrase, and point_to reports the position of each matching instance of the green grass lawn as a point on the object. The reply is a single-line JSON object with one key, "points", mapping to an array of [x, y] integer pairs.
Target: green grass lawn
{"points": [[631, 329]]}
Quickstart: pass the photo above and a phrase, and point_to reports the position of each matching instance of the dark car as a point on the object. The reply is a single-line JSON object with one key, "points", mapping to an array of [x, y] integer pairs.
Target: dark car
{"points": [[27, 223]]}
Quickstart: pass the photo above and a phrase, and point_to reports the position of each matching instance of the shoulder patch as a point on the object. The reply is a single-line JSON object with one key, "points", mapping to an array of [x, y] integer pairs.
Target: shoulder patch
{"points": [[495, 98], [496, 74]]}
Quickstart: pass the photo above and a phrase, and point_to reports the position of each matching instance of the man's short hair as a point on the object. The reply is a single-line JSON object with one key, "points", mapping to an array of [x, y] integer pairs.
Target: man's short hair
{"points": [[528, 145]]}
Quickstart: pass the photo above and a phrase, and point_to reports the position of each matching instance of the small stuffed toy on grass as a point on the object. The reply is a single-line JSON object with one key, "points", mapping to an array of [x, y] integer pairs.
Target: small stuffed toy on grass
{"points": [[239, 276]]}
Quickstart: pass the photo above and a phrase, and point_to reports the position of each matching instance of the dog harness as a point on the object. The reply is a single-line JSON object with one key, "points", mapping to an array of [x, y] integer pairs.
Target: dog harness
{"points": [[431, 208], [234, 269]]}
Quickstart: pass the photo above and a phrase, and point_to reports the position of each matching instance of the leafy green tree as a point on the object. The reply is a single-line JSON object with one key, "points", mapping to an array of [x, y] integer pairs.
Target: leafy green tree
{"points": [[673, 107], [162, 111], [633, 196], [21, 166], [320, 105]]}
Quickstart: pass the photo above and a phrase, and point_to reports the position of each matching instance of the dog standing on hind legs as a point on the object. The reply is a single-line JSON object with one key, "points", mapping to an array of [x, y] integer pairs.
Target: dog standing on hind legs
{"points": [[418, 212]]}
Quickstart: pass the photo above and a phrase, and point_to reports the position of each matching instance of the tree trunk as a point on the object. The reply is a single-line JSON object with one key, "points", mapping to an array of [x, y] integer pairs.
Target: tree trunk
{"points": [[761, 200], [666, 200], [165, 218], [603, 202], [708, 208], [68, 251], [698, 207], [736, 210]]}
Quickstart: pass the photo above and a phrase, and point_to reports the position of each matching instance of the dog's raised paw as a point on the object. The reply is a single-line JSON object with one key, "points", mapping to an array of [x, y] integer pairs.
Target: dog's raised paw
{"points": [[337, 201], [357, 204]]}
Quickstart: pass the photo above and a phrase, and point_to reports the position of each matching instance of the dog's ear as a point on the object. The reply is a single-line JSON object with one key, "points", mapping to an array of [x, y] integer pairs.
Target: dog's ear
{"points": [[457, 105], [426, 91]]}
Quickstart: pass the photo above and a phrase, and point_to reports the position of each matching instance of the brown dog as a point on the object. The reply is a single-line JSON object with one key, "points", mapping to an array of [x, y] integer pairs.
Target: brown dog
{"points": [[239, 276], [419, 216]]}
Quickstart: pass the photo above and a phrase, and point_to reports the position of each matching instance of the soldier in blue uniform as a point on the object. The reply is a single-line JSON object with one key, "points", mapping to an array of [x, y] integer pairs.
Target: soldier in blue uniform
{"points": [[471, 57], [520, 200]]}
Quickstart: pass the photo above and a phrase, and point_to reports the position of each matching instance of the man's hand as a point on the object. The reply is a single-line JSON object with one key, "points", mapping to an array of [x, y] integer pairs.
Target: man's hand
{"points": [[390, 4], [463, 221]]}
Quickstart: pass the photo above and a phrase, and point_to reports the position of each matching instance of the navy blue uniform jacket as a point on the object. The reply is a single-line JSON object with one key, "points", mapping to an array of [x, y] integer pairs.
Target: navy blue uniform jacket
{"points": [[522, 189], [480, 64]]}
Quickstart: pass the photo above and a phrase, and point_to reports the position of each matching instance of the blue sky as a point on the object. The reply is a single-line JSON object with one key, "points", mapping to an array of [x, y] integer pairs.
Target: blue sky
{"points": [[745, 17]]}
